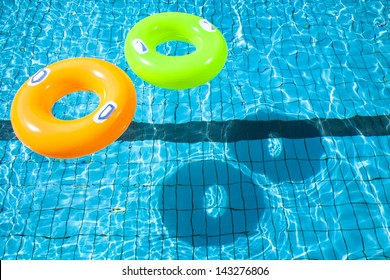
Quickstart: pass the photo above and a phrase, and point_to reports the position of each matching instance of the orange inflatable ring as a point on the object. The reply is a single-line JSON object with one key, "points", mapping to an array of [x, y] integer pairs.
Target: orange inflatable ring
{"points": [[35, 125]]}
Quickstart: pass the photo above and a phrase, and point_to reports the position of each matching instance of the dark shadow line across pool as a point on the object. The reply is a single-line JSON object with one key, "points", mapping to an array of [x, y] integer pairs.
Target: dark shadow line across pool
{"points": [[238, 130]]}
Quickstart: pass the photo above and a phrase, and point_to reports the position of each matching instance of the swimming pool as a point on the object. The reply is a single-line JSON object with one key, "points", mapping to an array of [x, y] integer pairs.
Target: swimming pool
{"points": [[284, 155]]}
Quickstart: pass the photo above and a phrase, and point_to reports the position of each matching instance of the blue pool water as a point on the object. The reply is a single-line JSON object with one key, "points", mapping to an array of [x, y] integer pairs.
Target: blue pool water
{"points": [[284, 155]]}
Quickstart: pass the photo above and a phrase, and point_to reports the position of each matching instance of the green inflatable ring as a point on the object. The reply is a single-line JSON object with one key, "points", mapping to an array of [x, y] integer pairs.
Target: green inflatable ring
{"points": [[175, 72]]}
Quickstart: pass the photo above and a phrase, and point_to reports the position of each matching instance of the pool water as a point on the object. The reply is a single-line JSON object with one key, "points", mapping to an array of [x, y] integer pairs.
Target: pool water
{"points": [[284, 155]]}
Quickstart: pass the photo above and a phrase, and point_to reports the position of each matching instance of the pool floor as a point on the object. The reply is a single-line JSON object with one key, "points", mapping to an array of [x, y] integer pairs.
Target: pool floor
{"points": [[284, 155]]}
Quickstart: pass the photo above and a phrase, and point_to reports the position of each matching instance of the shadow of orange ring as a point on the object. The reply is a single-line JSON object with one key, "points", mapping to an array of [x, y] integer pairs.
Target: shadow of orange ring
{"points": [[35, 125]]}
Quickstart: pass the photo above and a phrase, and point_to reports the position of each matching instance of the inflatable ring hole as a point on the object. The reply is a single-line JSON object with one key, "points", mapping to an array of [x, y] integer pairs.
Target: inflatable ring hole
{"points": [[75, 105], [175, 48]]}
